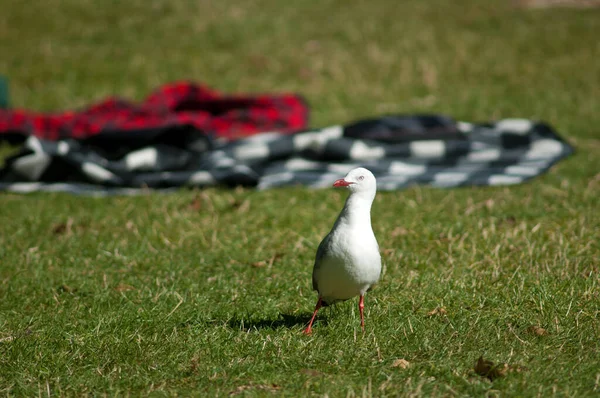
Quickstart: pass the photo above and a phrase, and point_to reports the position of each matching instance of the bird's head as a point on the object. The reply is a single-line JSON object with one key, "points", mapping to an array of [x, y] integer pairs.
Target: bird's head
{"points": [[358, 180]]}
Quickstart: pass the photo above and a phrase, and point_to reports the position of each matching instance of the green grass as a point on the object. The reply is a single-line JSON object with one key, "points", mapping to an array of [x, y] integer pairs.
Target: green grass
{"points": [[206, 292]]}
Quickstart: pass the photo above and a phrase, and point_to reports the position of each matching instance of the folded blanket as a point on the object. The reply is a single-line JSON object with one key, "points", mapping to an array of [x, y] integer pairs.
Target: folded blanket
{"points": [[170, 108], [401, 151]]}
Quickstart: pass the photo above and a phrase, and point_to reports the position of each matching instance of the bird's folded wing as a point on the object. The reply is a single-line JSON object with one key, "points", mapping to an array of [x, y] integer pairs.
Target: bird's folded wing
{"points": [[321, 252]]}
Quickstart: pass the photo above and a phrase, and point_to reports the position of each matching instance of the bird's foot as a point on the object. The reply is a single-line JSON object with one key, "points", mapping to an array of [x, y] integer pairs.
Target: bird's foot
{"points": [[307, 331]]}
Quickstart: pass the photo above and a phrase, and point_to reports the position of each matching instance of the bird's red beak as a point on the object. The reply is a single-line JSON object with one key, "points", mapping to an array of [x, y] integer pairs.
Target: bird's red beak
{"points": [[341, 183]]}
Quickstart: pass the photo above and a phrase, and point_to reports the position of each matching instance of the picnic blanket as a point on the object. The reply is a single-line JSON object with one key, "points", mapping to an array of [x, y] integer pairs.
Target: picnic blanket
{"points": [[171, 108], [401, 150]]}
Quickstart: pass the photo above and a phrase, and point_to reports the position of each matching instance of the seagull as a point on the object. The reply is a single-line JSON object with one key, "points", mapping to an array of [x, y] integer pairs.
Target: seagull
{"points": [[348, 262]]}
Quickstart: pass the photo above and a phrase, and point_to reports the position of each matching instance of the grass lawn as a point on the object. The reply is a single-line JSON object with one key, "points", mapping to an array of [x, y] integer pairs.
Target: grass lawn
{"points": [[205, 293]]}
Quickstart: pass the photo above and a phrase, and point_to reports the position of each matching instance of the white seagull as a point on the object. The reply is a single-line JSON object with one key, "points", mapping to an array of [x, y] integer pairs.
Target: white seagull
{"points": [[348, 262]]}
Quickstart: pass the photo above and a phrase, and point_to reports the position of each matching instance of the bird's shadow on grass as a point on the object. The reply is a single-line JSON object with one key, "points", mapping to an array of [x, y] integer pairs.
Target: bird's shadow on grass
{"points": [[282, 320]]}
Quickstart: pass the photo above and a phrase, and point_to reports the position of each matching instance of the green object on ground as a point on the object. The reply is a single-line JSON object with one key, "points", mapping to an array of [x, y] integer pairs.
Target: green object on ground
{"points": [[3, 92]]}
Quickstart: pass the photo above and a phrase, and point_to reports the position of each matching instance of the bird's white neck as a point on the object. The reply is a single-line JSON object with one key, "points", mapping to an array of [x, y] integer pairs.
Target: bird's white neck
{"points": [[357, 210]]}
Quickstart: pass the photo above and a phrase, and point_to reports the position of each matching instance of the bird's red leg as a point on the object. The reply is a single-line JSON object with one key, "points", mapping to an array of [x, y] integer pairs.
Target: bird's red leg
{"points": [[361, 307], [308, 329]]}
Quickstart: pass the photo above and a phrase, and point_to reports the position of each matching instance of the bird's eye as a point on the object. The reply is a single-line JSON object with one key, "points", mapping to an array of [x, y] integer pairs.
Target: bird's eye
{"points": [[361, 178]]}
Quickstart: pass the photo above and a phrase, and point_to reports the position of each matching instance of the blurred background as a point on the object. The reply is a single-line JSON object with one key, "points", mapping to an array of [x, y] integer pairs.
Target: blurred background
{"points": [[470, 59]]}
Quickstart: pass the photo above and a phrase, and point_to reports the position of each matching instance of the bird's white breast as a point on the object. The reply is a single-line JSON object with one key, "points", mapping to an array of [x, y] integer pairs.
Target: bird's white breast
{"points": [[352, 264]]}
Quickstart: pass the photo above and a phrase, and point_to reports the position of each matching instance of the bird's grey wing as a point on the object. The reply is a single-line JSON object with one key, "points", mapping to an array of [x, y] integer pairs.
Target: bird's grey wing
{"points": [[321, 252]]}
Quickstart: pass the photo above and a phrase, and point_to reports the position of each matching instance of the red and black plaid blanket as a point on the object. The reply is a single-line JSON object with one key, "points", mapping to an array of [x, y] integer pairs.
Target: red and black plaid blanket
{"points": [[171, 107]]}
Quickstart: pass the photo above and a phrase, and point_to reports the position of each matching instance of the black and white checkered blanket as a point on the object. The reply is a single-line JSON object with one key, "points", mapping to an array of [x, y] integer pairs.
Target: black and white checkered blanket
{"points": [[400, 150]]}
